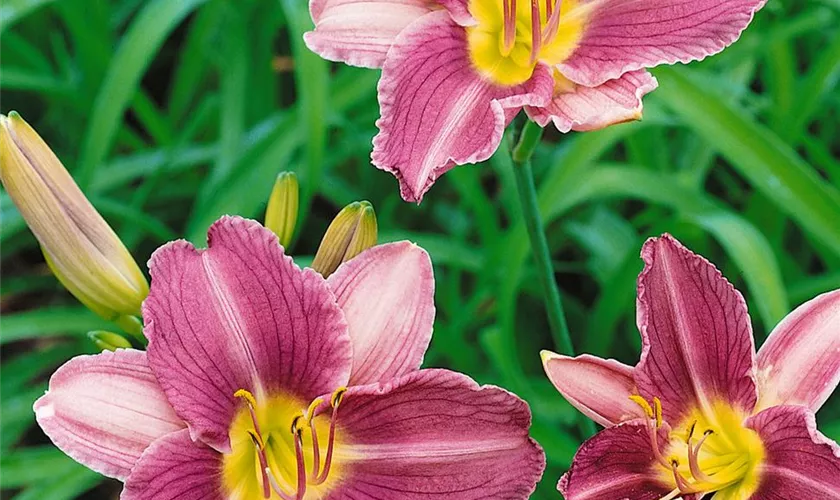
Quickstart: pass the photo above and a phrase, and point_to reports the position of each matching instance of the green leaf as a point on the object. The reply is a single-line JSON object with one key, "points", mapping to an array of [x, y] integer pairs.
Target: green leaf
{"points": [[760, 156], [50, 322]]}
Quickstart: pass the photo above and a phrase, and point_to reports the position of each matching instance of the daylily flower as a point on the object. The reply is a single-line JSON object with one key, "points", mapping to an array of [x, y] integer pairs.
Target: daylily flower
{"points": [[701, 413], [80, 248], [456, 72], [263, 380]]}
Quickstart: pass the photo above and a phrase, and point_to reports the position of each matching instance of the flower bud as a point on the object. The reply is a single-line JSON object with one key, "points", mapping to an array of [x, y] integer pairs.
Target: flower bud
{"points": [[79, 246], [282, 211], [108, 341], [351, 232]]}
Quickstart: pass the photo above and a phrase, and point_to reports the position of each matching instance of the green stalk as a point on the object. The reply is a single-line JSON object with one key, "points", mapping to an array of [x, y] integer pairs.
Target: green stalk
{"points": [[528, 141]]}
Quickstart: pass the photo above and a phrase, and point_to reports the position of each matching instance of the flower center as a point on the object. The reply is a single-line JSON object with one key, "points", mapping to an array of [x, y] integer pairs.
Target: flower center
{"points": [[709, 451], [512, 36], [280, 449]]}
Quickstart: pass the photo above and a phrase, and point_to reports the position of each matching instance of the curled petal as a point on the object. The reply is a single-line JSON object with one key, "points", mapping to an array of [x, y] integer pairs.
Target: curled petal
{"points": [[176, 468], [437, 434], [436, 109], [800, 361], [626, 35], [615, 464], [387, 295], [360, 32], [105, 410], [239, 315], [582, 108], [697, 344], [799, 461], [599, 388]]}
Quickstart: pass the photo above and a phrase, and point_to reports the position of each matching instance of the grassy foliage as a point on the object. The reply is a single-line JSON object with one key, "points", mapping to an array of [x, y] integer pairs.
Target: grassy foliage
{"points": [[170, 114]]}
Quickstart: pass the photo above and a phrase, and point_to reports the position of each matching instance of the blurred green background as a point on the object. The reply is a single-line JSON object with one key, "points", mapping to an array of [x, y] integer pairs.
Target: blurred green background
{"points": [[172, 112]]}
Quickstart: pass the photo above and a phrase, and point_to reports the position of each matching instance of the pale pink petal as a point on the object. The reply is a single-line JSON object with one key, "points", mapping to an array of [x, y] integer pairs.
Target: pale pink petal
{"points": [[697, 344], [585, 108], [387, 295], [626, 35], [436, 434], [600, 388], [615, 464], [799, 462], [460, 11], [176, 468], [360, 32], [105, 410], [800, 361], [436, 109], [239, 315]]}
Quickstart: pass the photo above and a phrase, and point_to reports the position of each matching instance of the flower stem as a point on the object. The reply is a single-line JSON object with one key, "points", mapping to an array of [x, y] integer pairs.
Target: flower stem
{"points": [[528, 141], [531, 135]]}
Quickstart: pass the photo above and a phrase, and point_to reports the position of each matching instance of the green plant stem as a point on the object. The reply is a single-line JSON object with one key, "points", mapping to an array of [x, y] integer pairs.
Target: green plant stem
{"points": [[528, 141]]}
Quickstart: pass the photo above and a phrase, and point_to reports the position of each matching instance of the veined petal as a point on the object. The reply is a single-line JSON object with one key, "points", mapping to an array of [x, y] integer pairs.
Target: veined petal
{"points": [[176, 468], [460, 11], [437, 434], [387, 295], [615, 464], [697, 344], [105, 410], [599, 388], [360, 32], [799, 362], [239, 315], [799, 461], [582, 108], [626, 35], [436, 109]]}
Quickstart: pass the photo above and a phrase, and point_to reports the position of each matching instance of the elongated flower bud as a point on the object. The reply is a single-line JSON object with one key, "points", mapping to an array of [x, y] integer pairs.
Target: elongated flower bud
{"points": [[108, 341], [351, 232], [282, 211], [79, 246]]}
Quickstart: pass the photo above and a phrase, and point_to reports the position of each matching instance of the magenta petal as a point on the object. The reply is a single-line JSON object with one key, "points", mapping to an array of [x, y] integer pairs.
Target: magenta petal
{"points": [[176, 468], [436, 109], [800, 463], [105, 410], [585, 108], [387, 295], [600, 388], [239, 315], [697, 343], [626, 35], [615, 464], [437, 434], [800, 361], [360, 32]]}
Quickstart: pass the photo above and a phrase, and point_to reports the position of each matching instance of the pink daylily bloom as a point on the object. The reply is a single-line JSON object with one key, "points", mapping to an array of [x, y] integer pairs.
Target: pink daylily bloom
{"points": [[701, 413], [456, 72], [263, 380]]}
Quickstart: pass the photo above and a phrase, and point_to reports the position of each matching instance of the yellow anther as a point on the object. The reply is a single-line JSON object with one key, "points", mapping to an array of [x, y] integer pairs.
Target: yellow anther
{"points": [[337, 395], [295, 429], [310, 412], [691, 432], [247, 396], [658, 405], [643, 403]]}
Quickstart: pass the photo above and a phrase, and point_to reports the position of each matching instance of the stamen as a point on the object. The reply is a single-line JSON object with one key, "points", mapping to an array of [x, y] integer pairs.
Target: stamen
{"points": [[536, 31], [552, 24], [301, 464], [681, 482], [335, 400], [276, 486], [263, 465], [657, 404], [693, 455], [252, 404], [509, 26], [316, 450], [643, 403]]}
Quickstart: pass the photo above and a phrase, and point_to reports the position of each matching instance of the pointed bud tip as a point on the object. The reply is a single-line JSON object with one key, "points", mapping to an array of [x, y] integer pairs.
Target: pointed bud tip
{"points": [[109, 341]]}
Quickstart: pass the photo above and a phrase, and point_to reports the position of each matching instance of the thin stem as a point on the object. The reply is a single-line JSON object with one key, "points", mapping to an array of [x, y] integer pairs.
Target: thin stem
{"points": [[528, 141]]}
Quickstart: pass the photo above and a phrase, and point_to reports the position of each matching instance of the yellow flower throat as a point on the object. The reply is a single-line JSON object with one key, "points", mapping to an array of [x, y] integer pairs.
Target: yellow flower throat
{"points": [[512, 36], [710, 451], [280, 452]]}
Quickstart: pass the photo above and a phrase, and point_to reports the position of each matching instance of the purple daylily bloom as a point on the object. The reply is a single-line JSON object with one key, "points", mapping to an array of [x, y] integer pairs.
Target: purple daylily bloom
{"points": [[702, 413], [263, 380], [456, 72]]}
